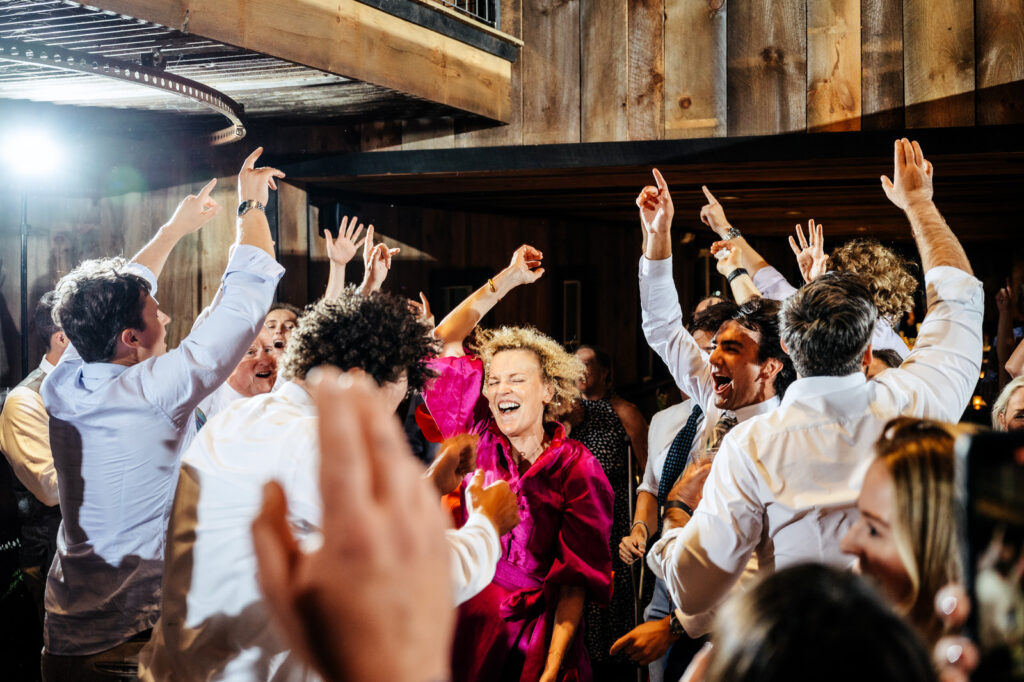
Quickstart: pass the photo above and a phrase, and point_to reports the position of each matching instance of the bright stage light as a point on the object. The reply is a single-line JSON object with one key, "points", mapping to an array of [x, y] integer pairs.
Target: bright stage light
{"points": [[30, 153]]}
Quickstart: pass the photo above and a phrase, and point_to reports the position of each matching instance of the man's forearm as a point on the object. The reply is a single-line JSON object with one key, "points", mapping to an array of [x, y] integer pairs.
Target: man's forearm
{"points": [[936, 243], [659, 246], [646, 510], [154, 254], [254, 230]]}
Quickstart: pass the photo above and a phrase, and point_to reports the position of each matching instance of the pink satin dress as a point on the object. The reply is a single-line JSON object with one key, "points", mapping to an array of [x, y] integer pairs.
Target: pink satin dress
{"points": [[565, 503]]}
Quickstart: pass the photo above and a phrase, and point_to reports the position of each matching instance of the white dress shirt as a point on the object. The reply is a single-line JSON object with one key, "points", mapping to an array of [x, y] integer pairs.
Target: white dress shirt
{"points": [[214, 624], [783, 486], [25, 440], [690, 366], [115, 432], [211, 405], [773, 285]]}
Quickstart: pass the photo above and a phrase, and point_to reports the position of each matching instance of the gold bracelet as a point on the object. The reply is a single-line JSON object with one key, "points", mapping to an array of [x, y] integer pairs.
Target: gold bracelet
{"points": [[490, 283]]}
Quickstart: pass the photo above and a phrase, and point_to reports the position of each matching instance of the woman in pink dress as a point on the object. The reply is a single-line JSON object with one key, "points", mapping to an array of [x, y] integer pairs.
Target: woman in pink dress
{"points": [[526, 624]]}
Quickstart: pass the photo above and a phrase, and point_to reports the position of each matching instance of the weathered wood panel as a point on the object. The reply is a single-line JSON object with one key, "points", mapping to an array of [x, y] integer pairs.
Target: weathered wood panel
{"points": [[767, 67], [428, 133], [292, 242], [938, 45], [646, 120], [833, 65], [475, 135], [881, 62], [1000, 49], [378, 136], [551, 71], [695, 68], [604, 70]]}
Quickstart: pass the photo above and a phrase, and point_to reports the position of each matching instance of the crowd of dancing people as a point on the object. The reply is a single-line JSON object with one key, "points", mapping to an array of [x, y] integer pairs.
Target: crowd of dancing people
{"points": [[246, 506]]}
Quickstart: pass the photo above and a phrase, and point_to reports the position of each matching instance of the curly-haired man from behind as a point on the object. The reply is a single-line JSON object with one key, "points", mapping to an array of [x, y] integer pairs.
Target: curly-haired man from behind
{"points": [[214, 622]]}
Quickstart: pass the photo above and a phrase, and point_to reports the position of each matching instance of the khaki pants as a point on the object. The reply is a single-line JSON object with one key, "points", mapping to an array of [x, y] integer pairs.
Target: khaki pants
{"points": [[119, 663]]}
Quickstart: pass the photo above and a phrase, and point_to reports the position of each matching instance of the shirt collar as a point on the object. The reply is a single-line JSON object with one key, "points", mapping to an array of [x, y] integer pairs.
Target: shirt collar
{"points": [[813, 387], [297, 394], [46, 365], [749, 411]]}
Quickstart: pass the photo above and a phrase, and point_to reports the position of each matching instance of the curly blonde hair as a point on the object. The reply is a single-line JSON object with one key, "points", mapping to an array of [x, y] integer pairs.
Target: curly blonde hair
{"points": [[561, 369], [887, 274]]}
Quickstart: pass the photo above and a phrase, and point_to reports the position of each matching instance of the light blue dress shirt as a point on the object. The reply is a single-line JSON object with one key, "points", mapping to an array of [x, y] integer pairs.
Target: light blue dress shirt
{"points": [[115, 432]]}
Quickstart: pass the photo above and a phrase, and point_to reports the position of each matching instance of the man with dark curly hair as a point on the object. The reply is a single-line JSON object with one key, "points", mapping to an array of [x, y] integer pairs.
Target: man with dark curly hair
{"points": [[210, 591]]}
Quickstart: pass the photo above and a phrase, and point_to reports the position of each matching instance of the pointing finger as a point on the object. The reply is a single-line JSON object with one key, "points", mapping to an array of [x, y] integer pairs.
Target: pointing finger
{"points": [[707, 193], [205, 191], [250, 161], [658, 178]]}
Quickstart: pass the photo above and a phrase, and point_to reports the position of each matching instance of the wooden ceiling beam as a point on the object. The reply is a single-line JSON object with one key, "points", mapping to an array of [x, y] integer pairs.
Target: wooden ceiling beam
{"points": [[346, 38]]}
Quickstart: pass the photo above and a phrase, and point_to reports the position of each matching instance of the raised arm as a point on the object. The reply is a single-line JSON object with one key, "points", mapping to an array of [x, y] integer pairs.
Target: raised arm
{"points": [[340, 251], [728, 264], [192, 213], [662, 317], [1005, 352], [254, 185], [525, 268], [911, 190]]}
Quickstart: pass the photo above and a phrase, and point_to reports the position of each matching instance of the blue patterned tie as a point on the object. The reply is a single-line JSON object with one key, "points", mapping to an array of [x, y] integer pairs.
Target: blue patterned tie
{"points": [[677, 455]]}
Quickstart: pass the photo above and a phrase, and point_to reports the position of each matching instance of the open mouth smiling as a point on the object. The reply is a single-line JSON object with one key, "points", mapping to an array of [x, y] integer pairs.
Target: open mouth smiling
{"points": [[507, 406], [722, 382]]}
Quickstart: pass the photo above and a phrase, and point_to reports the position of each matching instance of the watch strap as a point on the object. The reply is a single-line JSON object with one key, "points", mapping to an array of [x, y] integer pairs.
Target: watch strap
{"points": [[250, 204], [678, 504]]}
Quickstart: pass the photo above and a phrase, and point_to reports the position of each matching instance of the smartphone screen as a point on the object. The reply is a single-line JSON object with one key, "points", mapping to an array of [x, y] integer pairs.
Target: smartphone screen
{"points": [[990, 476]]}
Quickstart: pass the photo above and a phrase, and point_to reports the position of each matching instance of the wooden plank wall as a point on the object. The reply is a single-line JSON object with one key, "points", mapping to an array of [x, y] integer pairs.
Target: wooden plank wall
{"points": [[602, 70]]}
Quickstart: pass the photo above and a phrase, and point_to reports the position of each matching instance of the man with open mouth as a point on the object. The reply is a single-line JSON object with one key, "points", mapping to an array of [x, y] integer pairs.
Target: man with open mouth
{"points": [[744, 375]]}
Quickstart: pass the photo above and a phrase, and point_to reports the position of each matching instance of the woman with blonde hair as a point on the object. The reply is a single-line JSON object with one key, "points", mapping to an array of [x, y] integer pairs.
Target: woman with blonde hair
{"points": [[525, 624], [905, 538], [1008, 409]]}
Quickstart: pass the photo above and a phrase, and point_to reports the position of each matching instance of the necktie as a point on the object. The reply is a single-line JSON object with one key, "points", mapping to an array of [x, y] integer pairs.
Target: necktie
{"points": [[721, 428], [677, 454]]}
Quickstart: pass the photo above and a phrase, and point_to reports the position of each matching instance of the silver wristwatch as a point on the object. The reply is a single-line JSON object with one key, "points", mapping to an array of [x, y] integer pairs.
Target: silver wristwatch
{"points": [[732, 233], [248, 205]]}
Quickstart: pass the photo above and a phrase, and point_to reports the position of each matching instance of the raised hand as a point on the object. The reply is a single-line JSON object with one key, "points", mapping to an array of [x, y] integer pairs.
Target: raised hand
{"points": [[656, 209], [382, 572], [195, 210], [712, 214], [810, 256], [256, 183], [376, 261], [343, 249], [1004, 300], [912, 176], [727, 256], [421, 309], [525, 267], [497, 502]]}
